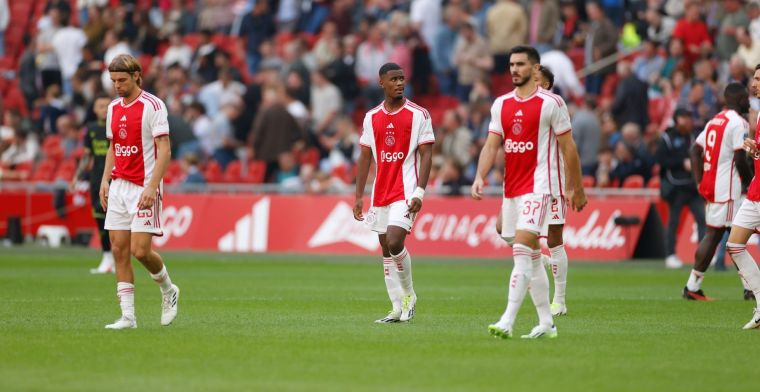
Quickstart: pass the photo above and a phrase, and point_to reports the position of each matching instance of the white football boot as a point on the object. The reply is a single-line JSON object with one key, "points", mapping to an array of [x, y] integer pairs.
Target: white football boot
{"points": [[169, 305]]}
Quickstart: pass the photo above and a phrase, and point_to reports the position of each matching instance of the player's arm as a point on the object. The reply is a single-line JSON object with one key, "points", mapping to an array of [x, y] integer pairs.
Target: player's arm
{"points": [[362, 169], [696, 153], [163, 156], [485, 162], [106, 179], [426, 162], [569, 152], [743, 167]]}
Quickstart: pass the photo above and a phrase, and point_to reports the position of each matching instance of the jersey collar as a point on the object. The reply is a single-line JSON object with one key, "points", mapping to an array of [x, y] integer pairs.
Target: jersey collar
{"points": [[382, 105]]}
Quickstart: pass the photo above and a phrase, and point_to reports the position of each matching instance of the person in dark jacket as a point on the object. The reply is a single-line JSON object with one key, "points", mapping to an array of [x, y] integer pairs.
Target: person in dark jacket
{"points": [[677, 186]]}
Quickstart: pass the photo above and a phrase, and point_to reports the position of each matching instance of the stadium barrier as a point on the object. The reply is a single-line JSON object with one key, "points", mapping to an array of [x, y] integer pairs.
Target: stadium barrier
{"points": [[613, 227]]}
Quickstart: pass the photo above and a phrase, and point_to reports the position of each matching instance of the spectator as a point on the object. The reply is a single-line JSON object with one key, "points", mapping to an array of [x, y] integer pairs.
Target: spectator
{"points": [[27, 72], [479, 10], [443, 50], [649, 65], [275, 131], [52, 108], [326, 104], [426, 18], [191, 170], [450, 177], [323, 50], [631, 100], [269, 57], [507, 28], [370, 56], [288, 172], [471, 57], [734, 19], [341, 73], [627, 163], [602, 168], [95, 26], [565, 76], [23, 148], [257, 27], [68, 43], [224, 89], [544, 18], [692, 31], [71, 138], [224, 142], [47, 58], [659, 26], [675, 60], [587, 134], [177, 53], [455, 139], [677, 186], [115, 44], [296, 107], [341, 146], [205, 143], [570, 25], [601, 42]]}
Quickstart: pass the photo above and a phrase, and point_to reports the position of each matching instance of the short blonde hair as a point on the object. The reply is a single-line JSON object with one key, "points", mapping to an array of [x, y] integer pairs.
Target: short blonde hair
{"points": [[126, 63]]}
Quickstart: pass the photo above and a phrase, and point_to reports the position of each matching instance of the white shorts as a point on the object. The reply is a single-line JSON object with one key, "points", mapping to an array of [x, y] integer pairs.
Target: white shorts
{"points": [[748, 215], [558, 211], [720, 215], [122, 213], [395, 214], [529, 212]]}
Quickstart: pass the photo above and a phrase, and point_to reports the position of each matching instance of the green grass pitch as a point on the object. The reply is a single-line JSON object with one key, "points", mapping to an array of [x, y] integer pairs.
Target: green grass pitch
{"points": [[305, 323]]}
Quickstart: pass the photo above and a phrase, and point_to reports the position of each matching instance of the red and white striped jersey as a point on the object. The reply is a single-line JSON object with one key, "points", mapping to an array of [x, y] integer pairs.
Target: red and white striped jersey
{"points": [[132, 129], [722, 136], [529, 128], [393, 138]]}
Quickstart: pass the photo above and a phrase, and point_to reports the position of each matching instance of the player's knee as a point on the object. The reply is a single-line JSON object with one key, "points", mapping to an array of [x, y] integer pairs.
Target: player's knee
{"points": [[395, 245], [140, 253], [118, 249]]}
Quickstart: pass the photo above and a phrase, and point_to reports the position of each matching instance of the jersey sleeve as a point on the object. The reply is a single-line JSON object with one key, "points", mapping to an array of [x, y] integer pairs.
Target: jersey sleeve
{"points": [[159, 122], [739, 131], [109, 115], [426, 135], [702, 136], [367, 138], [560, 119], [495, 126]]}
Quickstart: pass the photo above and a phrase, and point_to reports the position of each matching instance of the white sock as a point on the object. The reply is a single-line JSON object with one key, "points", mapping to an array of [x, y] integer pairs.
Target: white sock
{"points": [[404, 268], [695, 280], [106, 262], [747, 268], [539, 290], [522, 273], [392, 284], [126, 294], [163, 279], [559, 270]]}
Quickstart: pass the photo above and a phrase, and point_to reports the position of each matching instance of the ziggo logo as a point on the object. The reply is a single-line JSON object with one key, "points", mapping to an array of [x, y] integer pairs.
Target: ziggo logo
{"points": [[513, 146], [391, 156], [125, 151]]}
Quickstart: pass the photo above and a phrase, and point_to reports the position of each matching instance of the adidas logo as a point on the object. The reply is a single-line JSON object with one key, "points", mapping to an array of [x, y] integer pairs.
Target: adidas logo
{"points": [[519, 113], [390, 126], [555, 217], [251, 233], [124, 118], [147, 223], [531, 221], [340, 226]]}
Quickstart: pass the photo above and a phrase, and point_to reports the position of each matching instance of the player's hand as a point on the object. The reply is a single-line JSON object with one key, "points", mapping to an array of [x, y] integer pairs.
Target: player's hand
{"points": [[358, 206], [477, 189], [750, 146], [147, 199], [104, 195], [577, 199], [415, 205]]}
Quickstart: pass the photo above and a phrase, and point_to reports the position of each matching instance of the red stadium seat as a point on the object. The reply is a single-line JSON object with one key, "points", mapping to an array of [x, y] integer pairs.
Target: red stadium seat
{"points": [[45, 171], [654, 183], [66, 171], [213, 172], [232, 172], [256, 172], [589, 181], [634, 181]]}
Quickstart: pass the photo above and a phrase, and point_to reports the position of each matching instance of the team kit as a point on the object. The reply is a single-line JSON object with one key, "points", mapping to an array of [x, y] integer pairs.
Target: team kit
{"points": [[530, 126]]}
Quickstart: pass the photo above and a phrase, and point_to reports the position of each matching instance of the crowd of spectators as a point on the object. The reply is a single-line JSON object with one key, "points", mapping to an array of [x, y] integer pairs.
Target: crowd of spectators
{"points": [[273, 91]]}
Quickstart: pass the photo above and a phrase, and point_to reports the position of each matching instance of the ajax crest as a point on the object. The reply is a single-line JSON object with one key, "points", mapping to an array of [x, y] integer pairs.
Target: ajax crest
{"points": [[517, 128], [123, 133], [390, 140]]}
